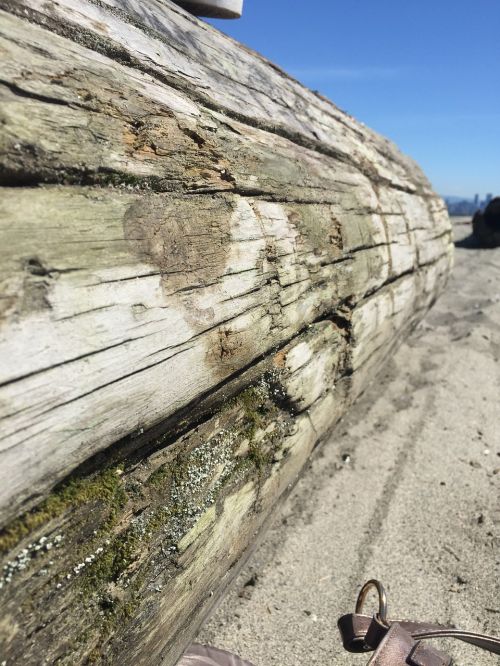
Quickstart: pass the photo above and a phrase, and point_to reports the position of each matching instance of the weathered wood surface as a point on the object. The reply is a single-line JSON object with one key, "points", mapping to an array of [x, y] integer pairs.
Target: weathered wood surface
{"points": [[202, 264]]}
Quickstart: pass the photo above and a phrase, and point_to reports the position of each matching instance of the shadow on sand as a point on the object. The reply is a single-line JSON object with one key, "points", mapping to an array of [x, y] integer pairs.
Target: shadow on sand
{"points": [[471, 243]]}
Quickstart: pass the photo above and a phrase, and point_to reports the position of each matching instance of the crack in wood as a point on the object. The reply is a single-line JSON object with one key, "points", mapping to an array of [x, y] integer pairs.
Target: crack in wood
{"points": [[235, 257]]}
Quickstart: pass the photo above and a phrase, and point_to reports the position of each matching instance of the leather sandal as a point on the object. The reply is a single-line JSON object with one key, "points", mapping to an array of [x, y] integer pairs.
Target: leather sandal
{"points": [[400, 642]]}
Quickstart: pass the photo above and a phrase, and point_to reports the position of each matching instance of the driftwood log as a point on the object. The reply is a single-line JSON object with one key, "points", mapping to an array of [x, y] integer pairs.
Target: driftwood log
{"points": [[203, 264]]}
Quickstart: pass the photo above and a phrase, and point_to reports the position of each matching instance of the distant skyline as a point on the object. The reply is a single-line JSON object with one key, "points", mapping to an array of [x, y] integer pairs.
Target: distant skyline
{"points": [[426, 74]]}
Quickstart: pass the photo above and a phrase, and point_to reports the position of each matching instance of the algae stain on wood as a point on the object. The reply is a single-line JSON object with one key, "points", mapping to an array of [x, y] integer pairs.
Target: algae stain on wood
{"points": [[112, 541]]}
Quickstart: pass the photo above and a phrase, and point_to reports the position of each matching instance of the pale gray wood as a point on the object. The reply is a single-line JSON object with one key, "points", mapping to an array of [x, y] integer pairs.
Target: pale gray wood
{"points": [[179, 221]]}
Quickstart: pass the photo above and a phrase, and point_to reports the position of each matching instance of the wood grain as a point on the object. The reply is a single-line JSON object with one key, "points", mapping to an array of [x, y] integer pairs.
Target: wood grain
{"points": [[202, 264]]}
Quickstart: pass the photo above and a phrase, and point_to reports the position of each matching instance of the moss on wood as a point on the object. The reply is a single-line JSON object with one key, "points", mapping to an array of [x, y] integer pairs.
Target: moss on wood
{"points": [[106, 487]]}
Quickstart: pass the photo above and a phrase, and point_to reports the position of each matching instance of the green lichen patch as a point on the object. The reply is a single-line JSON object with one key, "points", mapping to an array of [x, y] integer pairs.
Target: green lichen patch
{"points": [[257, 404], [116, 558], [121, 535], [106, 487], [158, 478], [259, 456], [264, 424]]}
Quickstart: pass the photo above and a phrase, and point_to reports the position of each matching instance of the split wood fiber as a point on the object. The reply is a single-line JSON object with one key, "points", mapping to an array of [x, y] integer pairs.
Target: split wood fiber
{"points": [[203, 263]]}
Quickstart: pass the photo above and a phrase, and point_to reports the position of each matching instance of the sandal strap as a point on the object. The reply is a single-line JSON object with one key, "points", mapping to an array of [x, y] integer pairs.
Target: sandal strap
{"points": [[361, 633]]}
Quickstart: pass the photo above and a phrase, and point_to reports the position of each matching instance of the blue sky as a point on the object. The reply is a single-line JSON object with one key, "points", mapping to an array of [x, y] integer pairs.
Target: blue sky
{"points": [[426, 73]]}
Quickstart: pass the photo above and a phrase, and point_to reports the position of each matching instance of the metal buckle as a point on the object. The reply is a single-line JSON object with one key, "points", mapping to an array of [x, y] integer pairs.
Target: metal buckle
{"points": [[382, 599]]}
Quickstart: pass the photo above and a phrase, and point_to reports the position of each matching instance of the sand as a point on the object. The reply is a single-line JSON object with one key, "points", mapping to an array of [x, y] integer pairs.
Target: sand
{"points": [[406, 490]]}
